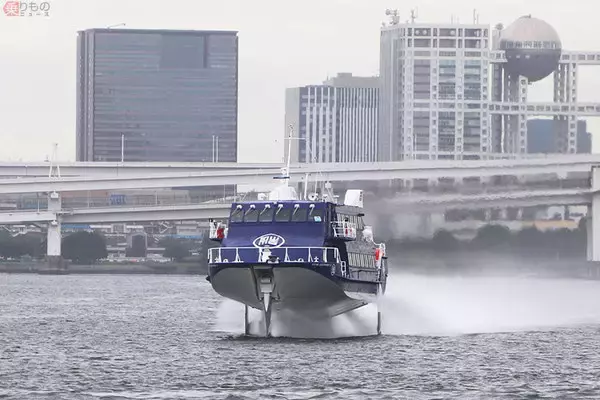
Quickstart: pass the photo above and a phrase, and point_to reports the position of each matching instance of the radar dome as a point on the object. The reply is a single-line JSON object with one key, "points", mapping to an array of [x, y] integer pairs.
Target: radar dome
{"points": [[532, 48]]}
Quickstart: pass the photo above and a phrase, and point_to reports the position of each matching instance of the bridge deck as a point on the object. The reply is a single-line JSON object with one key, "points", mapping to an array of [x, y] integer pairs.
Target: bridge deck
{"points": [[399, 205], [333, 172]]}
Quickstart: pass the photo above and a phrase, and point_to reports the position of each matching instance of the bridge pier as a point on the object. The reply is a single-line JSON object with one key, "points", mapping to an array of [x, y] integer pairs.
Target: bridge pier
{"points": [[55, 261], [593, 220]]}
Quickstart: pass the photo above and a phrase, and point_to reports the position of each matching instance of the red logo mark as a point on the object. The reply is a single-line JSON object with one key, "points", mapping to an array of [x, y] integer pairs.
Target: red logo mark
{"points": [[11, 8]]}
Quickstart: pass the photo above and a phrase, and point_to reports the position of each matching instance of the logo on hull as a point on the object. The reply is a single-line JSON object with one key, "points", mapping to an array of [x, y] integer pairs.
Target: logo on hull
{"points": [[270, 239]]}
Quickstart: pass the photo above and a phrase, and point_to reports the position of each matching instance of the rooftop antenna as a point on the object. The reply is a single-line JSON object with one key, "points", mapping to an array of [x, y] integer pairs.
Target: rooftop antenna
{"points": [[54, 167], [414, 14], [475, 17]]}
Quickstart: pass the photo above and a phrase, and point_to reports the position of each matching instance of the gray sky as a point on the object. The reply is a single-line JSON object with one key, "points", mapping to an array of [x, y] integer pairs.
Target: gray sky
{"points": [[283, 43]]}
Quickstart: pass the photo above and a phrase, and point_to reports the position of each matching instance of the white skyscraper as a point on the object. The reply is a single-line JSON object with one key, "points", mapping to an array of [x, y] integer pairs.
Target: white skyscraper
{"points": [[336, 121], [434, 93]]}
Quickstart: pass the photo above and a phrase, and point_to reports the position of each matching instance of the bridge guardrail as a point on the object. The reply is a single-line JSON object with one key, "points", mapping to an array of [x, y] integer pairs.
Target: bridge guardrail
{"points": [[71, 203]]}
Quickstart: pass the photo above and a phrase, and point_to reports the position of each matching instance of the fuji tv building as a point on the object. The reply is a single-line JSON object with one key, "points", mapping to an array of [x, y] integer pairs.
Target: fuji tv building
{"points": [[528, 51], [460, 91]]}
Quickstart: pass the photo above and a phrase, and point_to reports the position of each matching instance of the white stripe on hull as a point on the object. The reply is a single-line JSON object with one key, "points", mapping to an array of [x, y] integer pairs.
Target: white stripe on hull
{"points": [[297, 289]]}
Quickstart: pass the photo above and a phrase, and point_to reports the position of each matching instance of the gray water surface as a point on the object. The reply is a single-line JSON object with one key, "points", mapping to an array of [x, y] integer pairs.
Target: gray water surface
{"points": [[171, 337]]}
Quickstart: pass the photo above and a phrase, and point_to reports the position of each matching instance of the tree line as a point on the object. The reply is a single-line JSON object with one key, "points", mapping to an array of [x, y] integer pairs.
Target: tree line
{"points": [[497, 238], [86, 248]]}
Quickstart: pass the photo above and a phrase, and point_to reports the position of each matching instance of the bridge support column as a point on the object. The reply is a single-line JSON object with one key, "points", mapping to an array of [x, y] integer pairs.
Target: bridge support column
{"points": [[520, 214], [488, 215], [54, 238], [425, 225], [593, 222], [503, 214]]}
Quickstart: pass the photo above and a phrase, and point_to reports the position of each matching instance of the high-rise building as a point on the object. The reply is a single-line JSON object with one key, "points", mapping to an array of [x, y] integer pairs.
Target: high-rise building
{"points": [[157, 95], [543, 138], [336, 121], [434, 93]]}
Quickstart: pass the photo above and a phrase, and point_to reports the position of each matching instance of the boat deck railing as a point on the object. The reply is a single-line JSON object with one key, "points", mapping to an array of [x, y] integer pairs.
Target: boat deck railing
{"points": [[273, 255], [218, 231], [344, 230]]}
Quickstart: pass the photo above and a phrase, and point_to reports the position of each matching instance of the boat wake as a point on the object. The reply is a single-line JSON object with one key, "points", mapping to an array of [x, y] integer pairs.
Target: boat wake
{"points": [[435, 305], [443, 306]]}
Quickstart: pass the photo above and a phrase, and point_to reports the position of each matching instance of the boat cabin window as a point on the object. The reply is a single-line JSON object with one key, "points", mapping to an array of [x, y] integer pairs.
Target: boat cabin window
{"points": [[251, 214], [315, 215], [237, 215], [283, 214], [299, 214], [266, 215]]}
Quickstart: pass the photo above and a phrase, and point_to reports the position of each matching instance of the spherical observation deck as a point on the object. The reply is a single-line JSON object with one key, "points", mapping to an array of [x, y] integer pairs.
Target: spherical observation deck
{"points": [[532, 47]]}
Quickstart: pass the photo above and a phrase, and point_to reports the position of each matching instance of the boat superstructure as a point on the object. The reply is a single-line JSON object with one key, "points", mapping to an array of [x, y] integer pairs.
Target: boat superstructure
{"points": [[312, 256]]}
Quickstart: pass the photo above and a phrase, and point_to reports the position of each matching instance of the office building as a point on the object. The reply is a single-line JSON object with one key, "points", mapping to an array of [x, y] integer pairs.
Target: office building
{"points": [[157, 95], [334, 122]]}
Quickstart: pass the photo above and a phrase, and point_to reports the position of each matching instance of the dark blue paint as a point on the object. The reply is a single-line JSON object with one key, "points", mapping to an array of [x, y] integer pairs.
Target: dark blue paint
{"points": [[362, 286]]}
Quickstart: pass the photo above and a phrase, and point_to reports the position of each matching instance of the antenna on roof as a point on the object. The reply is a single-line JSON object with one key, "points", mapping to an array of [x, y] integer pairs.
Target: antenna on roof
{"points": [[414, 14], [116, 25], [54, 167], [475, 17]]}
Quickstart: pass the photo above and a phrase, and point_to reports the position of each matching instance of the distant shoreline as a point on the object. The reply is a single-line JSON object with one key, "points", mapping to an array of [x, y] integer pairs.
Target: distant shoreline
{"points": [[109, 269]]}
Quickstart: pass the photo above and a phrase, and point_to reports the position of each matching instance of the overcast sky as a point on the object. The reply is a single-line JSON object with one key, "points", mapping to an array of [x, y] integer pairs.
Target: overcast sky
{"points": [[283, 43]]}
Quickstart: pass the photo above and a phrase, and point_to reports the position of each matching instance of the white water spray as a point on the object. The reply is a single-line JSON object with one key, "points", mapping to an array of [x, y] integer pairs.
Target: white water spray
{"points": [[426, 305], [435, 305]]}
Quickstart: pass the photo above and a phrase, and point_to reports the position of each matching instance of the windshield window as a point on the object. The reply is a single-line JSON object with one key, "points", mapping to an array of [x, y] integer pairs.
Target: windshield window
{"points": [[283, 215], [266, 215], [237, 215], [251, 215], [299, 215]]}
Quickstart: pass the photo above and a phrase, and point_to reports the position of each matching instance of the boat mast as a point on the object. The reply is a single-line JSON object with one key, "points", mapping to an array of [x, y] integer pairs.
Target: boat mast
{"points": [[285, 170], [284, 191], [289, 153]]}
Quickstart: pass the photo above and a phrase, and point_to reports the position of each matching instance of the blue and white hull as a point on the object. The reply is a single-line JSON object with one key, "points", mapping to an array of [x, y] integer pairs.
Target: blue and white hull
{"points": [[301, 288], [313, 282], [311, 257]]}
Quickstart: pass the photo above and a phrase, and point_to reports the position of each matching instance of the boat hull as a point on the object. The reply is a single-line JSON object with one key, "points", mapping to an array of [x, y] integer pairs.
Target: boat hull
{"points": [[312, 290]]}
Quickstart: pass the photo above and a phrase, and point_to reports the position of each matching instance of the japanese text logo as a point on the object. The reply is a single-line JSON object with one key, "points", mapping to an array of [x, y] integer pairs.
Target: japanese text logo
{"points": [[14, 8], [270, 240]]}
